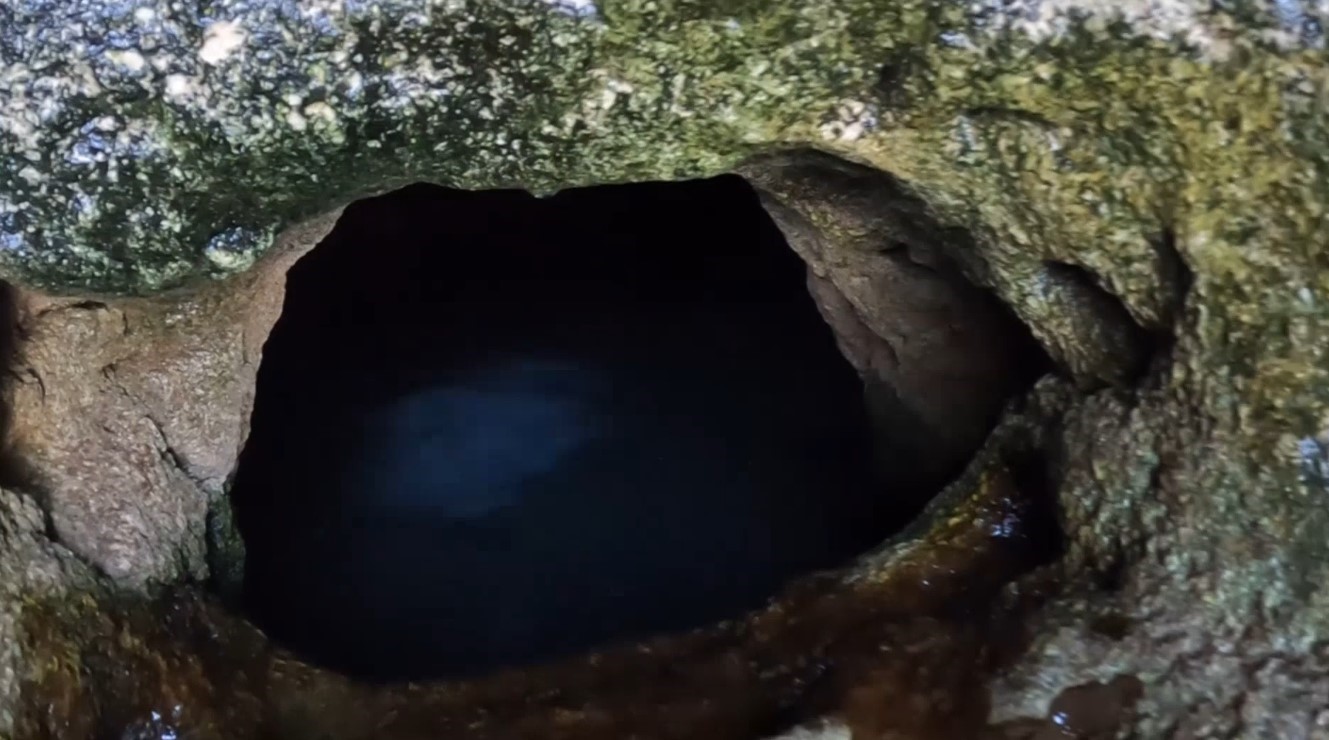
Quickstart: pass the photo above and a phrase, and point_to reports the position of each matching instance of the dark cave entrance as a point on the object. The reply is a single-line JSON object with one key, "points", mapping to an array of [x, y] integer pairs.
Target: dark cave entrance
{"points": [[494, 430]]}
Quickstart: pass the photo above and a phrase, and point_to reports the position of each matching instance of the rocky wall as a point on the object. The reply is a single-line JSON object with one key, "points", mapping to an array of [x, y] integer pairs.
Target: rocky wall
{"points": [[1142, 184]]}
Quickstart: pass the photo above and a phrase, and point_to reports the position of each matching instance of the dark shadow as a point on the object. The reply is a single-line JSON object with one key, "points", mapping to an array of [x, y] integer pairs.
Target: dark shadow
{"points": [[494, 430], [15, 472], [10, 342]]}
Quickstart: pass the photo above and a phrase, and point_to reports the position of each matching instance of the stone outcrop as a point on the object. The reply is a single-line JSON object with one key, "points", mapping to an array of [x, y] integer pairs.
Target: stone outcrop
{"points": [[939, 355], [128, 415], [1141, 184]]}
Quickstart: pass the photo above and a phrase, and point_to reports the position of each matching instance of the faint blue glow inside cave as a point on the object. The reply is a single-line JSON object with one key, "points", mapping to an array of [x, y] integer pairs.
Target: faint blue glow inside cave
{"points": [[493, 430]]}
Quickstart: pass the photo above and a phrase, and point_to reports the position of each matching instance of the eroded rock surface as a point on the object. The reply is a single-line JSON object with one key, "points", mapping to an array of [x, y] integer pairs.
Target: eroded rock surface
{"points": [[939, 355], [128, 416], [915, 610], [1142, 184]]}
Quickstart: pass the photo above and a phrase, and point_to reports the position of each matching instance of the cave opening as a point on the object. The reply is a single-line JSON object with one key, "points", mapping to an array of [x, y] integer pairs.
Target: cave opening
{"points": [[493, 430]]}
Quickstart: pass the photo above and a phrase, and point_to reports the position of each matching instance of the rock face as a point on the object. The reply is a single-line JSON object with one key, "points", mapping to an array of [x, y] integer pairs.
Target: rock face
{"points": [[128, 416], [1142, 184], [939, 355]]}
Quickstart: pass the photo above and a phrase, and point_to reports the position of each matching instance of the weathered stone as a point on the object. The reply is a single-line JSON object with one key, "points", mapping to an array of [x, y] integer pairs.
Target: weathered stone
{"points": [[32, 569], [180, 665], [1173, 155], [154, 142], [129, 414], [940, 356]]}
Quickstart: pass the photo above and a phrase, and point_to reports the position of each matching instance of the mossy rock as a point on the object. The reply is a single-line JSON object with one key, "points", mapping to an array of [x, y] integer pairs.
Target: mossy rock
{"points": [[1144, 184]]}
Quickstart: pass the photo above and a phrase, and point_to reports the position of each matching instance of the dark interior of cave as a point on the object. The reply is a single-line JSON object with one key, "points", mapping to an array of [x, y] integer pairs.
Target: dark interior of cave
{"points": [[494, 430]]}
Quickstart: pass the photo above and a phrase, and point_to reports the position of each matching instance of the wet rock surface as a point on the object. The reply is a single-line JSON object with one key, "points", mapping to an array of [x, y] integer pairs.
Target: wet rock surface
{"points": [[1092, 711], [1166, 159], [844, 646]]}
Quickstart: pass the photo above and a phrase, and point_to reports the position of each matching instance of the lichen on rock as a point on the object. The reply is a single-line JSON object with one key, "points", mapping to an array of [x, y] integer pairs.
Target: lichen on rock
{"points": [[1142, 184], [180, 139]]}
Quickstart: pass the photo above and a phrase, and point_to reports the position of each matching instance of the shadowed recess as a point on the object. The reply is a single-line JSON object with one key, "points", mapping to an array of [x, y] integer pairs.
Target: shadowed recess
{"points": [[15, 473], [495, 430]]}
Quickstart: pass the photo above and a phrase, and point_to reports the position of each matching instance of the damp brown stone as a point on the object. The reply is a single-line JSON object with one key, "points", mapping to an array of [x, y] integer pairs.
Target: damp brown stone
{"points": [[900, 651], [939, 355], [162, 390]]}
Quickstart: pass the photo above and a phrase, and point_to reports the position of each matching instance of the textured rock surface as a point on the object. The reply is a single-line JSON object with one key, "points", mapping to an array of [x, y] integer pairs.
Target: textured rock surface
{"points": [[128, 416], [1144, 184], [32, 568], [123, 665], [940, 356], [155, 141], [152, 141]]}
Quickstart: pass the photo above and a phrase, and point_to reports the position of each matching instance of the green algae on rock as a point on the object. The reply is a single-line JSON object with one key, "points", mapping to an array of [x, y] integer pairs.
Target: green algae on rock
{"points": [[149, 143], [1144, 184]]}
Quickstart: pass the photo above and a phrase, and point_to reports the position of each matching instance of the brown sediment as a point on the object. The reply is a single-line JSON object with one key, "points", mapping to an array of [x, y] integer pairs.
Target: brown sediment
{"points": [[897, 650], [1091, 711]]}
